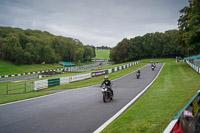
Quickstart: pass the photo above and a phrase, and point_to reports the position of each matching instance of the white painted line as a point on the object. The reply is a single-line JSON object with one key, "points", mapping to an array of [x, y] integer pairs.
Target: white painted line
{"points": [[170, 126], [59, 92], [125, 107]]}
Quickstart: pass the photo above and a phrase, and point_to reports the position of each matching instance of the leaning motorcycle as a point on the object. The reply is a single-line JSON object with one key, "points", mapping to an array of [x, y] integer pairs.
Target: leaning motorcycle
{"points": [[107, 94]]}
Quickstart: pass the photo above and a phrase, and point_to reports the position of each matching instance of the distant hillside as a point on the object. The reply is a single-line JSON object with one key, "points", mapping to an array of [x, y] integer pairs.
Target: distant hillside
{"points": [[102, 54]]}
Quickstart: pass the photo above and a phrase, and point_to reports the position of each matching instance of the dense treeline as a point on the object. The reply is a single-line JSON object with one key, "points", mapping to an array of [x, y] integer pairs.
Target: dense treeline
{"points": [[151, 45], [189, 28], [172, 43], [34, 46]]}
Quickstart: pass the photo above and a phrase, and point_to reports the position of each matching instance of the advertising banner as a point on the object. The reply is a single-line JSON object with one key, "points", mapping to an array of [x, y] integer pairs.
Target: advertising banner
{"points": [[110, 71], [41, 84], [64, 80], [79, 77], [99, 73]]}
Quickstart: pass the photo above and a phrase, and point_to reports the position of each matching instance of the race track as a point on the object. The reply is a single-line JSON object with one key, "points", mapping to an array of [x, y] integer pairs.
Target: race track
{"points": [[73, 111]]}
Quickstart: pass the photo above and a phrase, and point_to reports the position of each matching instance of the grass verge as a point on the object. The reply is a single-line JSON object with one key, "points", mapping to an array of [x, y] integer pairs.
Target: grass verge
{"points": [[175, 86]]}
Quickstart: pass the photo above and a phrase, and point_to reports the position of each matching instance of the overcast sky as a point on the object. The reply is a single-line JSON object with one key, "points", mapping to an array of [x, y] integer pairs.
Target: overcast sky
{"points": [[93, 22]]}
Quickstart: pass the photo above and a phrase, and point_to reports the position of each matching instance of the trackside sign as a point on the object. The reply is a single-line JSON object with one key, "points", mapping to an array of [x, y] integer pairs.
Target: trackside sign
{"points": [[79, 77], [99, 73]]}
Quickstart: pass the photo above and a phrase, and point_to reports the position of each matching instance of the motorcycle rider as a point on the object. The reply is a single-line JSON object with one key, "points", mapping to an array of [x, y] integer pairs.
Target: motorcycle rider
{"points": [[107, 83], [138, 73]]}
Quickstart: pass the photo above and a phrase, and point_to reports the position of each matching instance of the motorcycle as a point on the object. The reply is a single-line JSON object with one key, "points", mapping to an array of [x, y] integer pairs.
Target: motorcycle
{"points": [[107, 94], [152, 67], [138, 75]]}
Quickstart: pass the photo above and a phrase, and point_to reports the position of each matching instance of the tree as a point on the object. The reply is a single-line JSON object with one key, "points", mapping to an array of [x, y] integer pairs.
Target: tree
{"points": [[151, 45], [189, 27]]}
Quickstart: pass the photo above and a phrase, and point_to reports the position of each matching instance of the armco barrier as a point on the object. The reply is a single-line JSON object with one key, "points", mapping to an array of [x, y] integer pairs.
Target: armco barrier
{"points": [[197, 69], [190, 122]]}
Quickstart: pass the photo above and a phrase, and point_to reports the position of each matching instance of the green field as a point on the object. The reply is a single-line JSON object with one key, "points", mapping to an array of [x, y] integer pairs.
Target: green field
{"points": [[175, 86], [102, 54]]}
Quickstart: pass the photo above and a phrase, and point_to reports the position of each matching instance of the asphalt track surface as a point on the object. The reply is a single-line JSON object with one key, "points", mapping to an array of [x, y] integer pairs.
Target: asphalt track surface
{"points": [[18, 78], [73, 111]]}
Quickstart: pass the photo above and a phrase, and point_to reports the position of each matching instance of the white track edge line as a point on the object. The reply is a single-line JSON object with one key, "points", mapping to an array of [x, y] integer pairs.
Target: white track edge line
{"points": [[125, 107], [62, 91]]}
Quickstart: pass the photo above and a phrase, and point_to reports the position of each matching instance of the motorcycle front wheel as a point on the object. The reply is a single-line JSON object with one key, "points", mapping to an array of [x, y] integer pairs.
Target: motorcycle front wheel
{"points": [[105, 98], [111, 98]]}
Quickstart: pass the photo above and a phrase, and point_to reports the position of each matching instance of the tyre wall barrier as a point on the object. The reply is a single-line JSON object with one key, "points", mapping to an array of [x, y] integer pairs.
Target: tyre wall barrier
{"points": [[188, 118]]}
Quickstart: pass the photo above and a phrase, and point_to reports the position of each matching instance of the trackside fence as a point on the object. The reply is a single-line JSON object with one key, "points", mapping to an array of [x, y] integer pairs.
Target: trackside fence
{"points": [[19, 86], [197, 69], [188, 118], [42, 84]]}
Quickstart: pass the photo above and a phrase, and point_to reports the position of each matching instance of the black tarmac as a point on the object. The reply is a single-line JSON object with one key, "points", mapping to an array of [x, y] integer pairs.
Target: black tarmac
{"points": [[73, 111]]}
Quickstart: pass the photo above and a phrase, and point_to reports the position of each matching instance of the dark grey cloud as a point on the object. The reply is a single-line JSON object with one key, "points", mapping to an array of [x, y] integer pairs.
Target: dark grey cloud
{"points": [[94, 22]]}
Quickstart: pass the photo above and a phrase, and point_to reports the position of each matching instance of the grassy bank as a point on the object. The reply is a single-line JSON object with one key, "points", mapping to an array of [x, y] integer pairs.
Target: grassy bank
{"points": [[102, 54], [30, 93], [7, 68], [175, 86]]}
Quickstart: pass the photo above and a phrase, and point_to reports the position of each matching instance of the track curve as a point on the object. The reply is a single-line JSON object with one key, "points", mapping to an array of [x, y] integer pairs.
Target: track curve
{"points": [[73, 111]]}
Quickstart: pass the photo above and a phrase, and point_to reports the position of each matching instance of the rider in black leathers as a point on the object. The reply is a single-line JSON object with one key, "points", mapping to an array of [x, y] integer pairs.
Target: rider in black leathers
{"points": [[138, 71], [107, 83]]}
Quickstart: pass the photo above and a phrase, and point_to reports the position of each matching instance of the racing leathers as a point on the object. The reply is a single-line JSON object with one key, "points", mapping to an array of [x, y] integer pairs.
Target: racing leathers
{"points": [[107, 84]]}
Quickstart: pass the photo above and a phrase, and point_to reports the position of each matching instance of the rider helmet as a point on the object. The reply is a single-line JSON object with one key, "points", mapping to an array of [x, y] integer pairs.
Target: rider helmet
{"points": [[106, 77]]}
